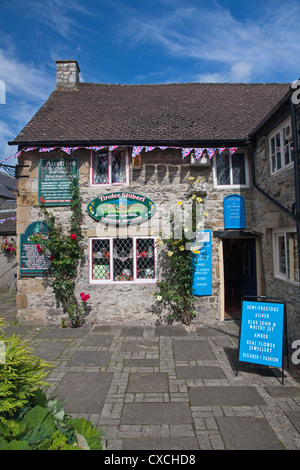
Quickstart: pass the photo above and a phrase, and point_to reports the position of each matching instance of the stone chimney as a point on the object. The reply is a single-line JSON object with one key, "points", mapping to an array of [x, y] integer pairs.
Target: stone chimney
{"points": [[67, 74]]}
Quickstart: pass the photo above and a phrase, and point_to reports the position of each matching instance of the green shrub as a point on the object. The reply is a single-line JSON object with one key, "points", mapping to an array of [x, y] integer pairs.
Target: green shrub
{"points": [[21, 374], [45, 426]]}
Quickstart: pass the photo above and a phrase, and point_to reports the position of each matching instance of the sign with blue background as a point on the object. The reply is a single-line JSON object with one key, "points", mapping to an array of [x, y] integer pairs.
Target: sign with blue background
{"points": [[234, 212], [202, 281], [262, 331]]}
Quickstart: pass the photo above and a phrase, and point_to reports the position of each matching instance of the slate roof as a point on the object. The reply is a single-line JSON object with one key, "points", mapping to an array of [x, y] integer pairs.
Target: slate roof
{"points": [[141, 114], [9, 226]]}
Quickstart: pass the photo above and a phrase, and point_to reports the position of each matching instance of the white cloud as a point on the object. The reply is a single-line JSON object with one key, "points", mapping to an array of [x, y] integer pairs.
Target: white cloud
{"points": [[235, 48], [25, 80]]}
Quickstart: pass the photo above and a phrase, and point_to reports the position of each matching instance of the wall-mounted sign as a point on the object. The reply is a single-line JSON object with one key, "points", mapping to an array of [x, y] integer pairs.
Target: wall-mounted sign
{"points": [[33, 262], [121, 208], [202, 280], [234, 212], [55, 176], [262, 332]]}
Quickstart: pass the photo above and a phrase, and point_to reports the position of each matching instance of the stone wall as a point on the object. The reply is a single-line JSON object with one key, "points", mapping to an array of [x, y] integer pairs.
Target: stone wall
{"points": [[164, 179], [267, 217]]}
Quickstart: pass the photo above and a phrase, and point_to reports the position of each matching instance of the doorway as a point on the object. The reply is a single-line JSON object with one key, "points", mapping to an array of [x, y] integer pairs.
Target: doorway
{"points": [[240, 273]]}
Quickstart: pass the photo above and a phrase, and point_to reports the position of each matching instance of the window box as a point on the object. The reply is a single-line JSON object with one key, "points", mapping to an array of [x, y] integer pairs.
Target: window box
{"points": [[281, 148], [109, 168], [285, 250], [114, 260], [231, 171]]}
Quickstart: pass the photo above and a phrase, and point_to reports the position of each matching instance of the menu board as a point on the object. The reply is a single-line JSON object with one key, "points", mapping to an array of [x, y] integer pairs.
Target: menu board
{"points": [[55, 176], [262, 333], [234, 212], [33, 262], [202, 278]]}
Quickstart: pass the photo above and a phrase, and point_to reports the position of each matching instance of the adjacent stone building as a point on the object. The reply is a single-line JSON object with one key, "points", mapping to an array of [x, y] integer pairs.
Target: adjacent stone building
{"points": [[145, 142]]}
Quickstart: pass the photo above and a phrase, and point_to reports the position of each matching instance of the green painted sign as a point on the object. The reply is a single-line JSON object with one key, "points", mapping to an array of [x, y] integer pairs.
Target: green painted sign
{"points": [[32, 261], [121, 208], [55, 176]]}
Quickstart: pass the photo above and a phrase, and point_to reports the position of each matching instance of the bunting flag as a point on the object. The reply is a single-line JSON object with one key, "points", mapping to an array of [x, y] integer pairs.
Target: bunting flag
{"points": [[135, 151], [68, 150], [47, 149], [9, 218], [186, 152]]}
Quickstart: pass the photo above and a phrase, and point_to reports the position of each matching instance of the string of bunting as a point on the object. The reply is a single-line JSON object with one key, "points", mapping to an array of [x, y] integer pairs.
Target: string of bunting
{"points": [[9, 218], [135, 151]]}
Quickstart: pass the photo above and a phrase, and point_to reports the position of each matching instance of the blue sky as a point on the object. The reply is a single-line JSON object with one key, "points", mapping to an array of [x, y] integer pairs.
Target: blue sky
{"points": [[140, 41]]}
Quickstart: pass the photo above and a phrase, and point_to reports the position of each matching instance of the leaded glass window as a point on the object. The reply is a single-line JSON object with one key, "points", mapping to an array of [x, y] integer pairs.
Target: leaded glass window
{"points": [[110, 167], [231, 170], [122, 260]]}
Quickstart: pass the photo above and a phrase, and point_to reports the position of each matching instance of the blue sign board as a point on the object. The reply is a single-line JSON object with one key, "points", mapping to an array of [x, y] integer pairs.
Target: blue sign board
{"points": [[202, 282], [234, 212], [262, 332]]}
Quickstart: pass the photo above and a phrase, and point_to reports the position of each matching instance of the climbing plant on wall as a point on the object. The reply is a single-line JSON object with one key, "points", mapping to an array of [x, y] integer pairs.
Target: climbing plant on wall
{"points": [[65, 251], [174, 292]]}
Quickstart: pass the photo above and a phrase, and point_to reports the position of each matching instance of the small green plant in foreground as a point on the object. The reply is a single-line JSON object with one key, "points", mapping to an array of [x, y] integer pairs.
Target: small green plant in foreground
{"points": [[28, 421]]}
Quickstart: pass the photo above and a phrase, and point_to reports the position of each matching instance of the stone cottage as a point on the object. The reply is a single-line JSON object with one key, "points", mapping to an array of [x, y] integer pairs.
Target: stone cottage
{"points": [[145, 143]]}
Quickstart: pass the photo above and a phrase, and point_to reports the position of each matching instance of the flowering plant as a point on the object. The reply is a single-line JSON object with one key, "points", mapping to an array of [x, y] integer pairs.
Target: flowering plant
{"points": [[9, 247], [175, 290]]}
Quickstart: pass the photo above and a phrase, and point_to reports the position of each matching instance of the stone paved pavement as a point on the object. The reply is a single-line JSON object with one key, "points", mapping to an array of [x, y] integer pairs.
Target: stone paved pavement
{"points": [[166, 387]]}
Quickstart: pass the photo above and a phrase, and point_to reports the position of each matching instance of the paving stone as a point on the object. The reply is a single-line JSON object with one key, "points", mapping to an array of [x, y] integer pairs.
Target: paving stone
{"points": [[132, 331], [90, 358], [225, 396], [182, 443], [141, 362], [49, 351], [170, 330], [210, 331], [67, 333], [294, 417], [156, 413], [247, 434], [200, 372], [192, 350], [97, 340], [283, 391], [140, 345], [148, 382], [83, 392]]}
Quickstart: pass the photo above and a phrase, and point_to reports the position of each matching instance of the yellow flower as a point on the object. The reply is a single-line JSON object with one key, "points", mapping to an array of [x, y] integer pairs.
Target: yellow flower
{"points": [[159, 242], [170, 253], [191, 178], [199, 199], [181, 248], [179, 203], [205, 214]]}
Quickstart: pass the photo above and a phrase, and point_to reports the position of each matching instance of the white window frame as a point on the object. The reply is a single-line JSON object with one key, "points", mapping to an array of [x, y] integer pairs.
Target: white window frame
{"points": [[280, 131], [135, 280], [231, 185], [277, 233], [110, 183]]}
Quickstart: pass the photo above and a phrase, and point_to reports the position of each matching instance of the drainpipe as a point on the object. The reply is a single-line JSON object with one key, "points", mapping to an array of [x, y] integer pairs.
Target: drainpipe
{"points": [[297, 176]]}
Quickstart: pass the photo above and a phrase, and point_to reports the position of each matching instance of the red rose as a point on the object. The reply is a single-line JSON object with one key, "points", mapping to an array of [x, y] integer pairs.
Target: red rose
{"points": [[84, 297], [39, 248], [73, 236], [51, 258]]}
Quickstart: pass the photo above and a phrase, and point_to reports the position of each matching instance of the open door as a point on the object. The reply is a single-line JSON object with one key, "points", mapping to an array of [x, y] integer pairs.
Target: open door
{"points": [[240, 273]]}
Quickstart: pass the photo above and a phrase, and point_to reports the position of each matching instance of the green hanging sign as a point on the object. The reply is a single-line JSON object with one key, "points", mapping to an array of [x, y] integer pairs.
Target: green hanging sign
{"points": [[121, 208]]}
